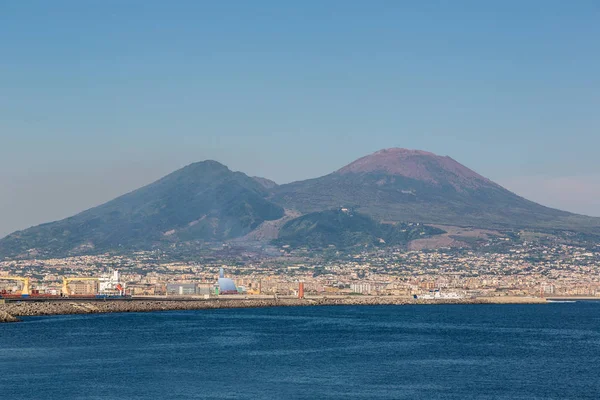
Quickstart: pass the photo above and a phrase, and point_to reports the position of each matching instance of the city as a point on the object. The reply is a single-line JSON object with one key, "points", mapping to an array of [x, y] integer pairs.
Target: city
{"points": [[307, 200], [527, 269]]}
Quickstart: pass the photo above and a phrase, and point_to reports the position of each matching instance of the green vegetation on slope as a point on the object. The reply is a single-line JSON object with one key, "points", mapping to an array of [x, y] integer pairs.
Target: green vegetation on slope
{"points": [[344, 228], [396, 198]]}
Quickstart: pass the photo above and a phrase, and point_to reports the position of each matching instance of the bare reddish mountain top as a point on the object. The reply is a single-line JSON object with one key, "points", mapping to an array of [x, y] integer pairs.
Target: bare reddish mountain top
{"points": [[418, 165]]}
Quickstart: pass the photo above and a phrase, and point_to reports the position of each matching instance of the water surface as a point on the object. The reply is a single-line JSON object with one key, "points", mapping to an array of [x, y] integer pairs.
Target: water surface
{"points": [[381, 352]]}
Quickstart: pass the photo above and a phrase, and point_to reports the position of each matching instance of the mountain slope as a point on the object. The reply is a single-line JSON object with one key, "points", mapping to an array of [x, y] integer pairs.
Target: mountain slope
{"points": [[207, 202], [203, 201], [411, 185], [264, 182], [344, 228]]}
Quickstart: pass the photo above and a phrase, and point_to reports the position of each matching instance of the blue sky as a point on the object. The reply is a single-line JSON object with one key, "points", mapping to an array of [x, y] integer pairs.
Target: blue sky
{"points": [[100, 97]]}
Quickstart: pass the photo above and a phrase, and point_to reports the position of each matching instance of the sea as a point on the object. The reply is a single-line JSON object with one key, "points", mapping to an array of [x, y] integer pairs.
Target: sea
{"points": [[543, 351]]}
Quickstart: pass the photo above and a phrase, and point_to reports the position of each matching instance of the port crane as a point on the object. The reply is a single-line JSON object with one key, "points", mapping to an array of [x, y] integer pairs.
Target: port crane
{"points": [[26, 290], [65, 285]]}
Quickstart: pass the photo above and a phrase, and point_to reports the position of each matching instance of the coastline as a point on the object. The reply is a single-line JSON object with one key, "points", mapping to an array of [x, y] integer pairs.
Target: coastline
{"points": [[9, 312]]}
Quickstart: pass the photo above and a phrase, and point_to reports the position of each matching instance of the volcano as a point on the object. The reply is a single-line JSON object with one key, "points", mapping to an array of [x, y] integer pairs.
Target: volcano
{"points": [[413, 185], [207, 202]]}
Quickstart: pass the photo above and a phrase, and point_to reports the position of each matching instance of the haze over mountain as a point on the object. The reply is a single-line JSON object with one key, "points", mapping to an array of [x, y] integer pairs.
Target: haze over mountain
{"points": [[203, 201], [412, 185], [207, 202]]}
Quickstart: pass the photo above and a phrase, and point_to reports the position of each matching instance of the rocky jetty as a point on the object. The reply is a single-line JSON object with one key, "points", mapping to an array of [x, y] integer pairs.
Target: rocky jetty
{"points": [[9, 311], [6, 317]]}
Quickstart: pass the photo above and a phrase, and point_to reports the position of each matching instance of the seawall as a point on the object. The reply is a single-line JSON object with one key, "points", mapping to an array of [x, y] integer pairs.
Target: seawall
{"points": [[9, 311], [6, 317]]}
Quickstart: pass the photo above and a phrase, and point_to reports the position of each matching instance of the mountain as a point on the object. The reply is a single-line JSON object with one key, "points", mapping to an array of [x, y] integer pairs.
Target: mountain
{"points": [[412, 185], [207, 202], [345, 228], [264, 182], [203, 201]]}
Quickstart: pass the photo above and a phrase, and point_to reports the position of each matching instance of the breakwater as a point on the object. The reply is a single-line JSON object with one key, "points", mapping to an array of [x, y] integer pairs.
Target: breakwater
{"points": [[6, 317], [9, 311]]}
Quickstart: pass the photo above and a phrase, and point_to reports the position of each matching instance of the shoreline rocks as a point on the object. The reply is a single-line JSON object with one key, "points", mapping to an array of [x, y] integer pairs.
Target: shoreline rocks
{"points": [[9, 311], [6, 317]]}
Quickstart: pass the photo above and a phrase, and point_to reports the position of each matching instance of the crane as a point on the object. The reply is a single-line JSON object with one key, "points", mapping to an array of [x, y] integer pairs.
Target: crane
{"points": [[65, 286], [26, 290]]}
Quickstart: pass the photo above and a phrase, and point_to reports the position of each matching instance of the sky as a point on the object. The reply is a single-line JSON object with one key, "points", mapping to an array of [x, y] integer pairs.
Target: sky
{"points": [[100, 97]]}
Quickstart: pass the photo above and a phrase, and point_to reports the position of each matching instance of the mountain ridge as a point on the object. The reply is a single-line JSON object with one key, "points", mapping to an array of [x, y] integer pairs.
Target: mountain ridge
{"points": [[206, 201], [413, 185], [202, 201]]}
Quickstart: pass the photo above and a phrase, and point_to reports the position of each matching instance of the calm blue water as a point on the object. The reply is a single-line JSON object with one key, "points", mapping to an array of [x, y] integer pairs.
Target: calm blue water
{"points": [[384, 352]]}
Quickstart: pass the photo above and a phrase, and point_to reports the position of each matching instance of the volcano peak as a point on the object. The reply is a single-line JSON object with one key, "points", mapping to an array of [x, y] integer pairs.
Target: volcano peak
{"points": [[418, 165]]}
